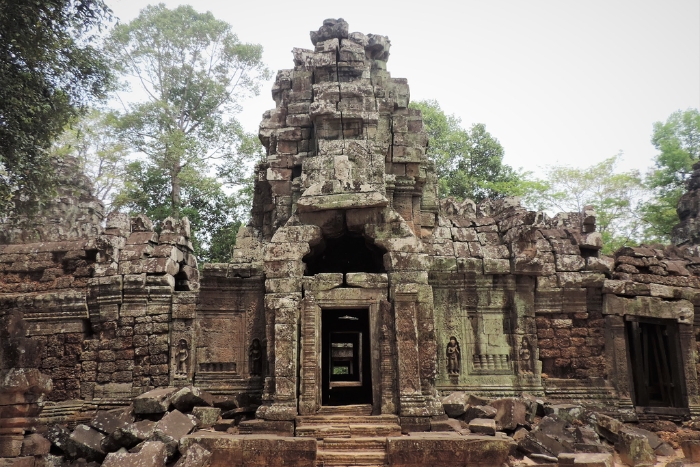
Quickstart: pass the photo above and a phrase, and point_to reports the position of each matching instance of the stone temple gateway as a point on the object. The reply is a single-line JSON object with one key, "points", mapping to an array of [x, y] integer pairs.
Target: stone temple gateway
{"points": [[353, 292]]}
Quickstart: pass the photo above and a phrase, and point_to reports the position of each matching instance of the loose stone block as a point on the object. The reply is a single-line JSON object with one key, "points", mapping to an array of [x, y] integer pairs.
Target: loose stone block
{"points": [[634, 448], [188, 397], [35, 445], [207, 416], [151, 454], [483, 426], [86, 442], [155, 401]]}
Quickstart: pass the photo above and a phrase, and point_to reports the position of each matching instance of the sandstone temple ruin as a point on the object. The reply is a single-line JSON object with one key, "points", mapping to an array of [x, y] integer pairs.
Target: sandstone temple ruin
{"points": [[353, 291]]}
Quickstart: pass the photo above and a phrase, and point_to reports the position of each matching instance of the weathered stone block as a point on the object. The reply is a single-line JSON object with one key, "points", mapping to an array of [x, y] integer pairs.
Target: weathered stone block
{"points": [[151, 454], [155, 401], [483, 426], [585, 460], [510, 413], [634, 448], [189, 396], [85, 442], [571, 263], [195, 456], [35, 445], [129, 435], [480, 411], [108, 421], [456, 404], [207, 416], [171, 428], [420, 450], [691, 449], [496, 266]]}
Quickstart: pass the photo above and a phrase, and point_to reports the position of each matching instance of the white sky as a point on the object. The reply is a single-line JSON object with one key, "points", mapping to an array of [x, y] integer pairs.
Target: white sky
{"points": [[556, 81]]}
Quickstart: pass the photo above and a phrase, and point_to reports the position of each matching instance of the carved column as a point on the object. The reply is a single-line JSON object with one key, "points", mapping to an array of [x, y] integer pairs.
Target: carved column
{"points": [[310, 363], [427, 348], [687, 339], [284, 270], [182, 338], [286, 309], [388, 359], [616, 329], [411, 400]]}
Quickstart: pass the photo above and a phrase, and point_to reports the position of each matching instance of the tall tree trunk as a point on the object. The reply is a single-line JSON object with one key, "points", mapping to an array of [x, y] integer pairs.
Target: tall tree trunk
{"points": [[175, 189]]}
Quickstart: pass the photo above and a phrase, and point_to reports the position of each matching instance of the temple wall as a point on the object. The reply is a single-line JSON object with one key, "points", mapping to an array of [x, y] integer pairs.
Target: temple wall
{"points": [[230, 320]]}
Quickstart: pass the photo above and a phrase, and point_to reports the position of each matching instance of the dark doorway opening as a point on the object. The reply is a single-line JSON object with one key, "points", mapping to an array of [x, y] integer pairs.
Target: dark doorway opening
{"points": [[346, 357], [348, 253], [657, 367]]}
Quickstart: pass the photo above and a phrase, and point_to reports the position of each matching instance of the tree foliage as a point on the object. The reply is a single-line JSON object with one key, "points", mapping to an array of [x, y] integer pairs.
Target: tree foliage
{"points": [[204, 203], [469, 163], [50, 69], [192, 72], [616, 197], [678, 143], [94, 141]]}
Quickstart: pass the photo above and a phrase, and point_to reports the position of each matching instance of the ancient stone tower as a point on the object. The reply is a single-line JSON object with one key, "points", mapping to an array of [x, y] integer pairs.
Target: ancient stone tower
{"points": [[340, 206]]}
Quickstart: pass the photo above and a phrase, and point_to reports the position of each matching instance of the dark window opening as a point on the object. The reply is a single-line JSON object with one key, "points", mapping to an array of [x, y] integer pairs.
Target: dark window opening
{"points": [[349, 253], [182, 283], [296, 171], [588, 252], [657, 368]]}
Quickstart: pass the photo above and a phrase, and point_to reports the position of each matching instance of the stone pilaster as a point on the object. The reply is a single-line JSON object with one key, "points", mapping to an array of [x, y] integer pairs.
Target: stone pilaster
{"points": [[411, 399]]}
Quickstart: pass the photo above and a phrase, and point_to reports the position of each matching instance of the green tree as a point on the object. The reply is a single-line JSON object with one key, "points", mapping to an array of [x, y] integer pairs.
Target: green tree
{"points": [[469, 163], [678, 143], [94, 141], [204, 202], [50, 70], [193, 72], [616, 197]]}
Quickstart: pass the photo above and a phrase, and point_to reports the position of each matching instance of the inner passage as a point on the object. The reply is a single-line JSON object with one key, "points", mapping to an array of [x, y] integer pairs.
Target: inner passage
{"points": [[346, 357]]}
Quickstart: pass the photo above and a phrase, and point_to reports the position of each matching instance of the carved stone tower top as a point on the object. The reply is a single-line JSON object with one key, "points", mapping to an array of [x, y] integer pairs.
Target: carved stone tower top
{"points": [[342, 136]]}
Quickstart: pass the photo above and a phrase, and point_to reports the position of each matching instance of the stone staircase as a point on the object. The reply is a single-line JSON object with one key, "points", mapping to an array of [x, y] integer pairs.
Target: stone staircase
{"points": [[347, 426], [347, 452], [349, 436]]}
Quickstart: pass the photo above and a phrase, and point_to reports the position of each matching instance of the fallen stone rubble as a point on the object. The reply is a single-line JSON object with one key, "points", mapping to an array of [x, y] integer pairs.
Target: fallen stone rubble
{"points": [[146, 433], [550, 434], [175, 426]]}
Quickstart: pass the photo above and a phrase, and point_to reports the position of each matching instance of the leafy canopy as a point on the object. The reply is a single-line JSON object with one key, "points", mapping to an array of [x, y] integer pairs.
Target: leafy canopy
{"points": [[469, 163], [94, 142], [192, 72], [678, 143], [615, 196], [50, 70]]}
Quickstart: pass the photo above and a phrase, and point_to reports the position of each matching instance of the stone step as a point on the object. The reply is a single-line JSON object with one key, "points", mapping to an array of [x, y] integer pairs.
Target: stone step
{"points": [[348, 430], [323, 431], [358, 409], [348, 458], [347, 419], [349, 444]]}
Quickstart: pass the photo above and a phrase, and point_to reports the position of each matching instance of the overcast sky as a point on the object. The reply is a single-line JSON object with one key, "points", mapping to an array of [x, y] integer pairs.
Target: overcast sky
{"points": [[556, 81]]}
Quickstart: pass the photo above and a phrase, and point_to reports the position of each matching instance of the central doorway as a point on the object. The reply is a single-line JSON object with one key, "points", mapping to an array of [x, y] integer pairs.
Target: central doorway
{"points": [[346, 357]]}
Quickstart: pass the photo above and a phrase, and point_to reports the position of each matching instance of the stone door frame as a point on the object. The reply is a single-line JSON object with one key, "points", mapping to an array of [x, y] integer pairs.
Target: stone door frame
{"points": [[617, 310], [311, 352]]}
